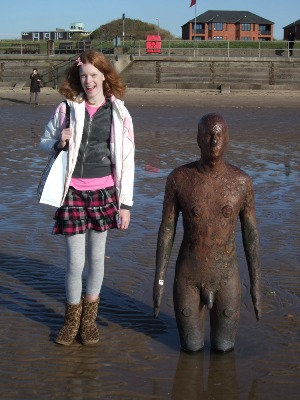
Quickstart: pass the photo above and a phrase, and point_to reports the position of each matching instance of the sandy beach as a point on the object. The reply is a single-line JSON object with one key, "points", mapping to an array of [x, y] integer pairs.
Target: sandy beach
{"points": [[138, 356]]}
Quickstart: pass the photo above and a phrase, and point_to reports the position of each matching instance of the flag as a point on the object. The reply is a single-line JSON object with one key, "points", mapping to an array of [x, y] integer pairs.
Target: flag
{"points": [[193, 2]]}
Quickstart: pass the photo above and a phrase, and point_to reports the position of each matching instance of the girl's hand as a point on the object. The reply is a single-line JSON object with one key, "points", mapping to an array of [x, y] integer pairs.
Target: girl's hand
{"points": [[124, 219], [66, 135]]}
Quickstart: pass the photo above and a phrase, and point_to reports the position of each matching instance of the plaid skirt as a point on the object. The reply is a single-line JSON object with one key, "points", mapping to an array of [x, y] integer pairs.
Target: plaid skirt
{"points": [[82, 210]]}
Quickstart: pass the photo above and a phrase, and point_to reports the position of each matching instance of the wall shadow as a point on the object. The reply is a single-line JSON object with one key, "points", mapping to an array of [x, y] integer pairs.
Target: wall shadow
{"points": [[14, 100]]}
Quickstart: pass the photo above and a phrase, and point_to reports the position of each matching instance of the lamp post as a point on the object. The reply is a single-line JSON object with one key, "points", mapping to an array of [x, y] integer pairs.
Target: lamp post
{"points": [[123, 17], [157, 26]]}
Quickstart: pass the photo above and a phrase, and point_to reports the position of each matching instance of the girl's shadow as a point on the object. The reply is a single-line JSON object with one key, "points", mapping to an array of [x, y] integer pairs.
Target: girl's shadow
{"points": [[116, 307]]}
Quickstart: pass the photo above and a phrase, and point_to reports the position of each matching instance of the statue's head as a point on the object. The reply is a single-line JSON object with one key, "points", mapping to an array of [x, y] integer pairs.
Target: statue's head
{"points": [[212, 136]]}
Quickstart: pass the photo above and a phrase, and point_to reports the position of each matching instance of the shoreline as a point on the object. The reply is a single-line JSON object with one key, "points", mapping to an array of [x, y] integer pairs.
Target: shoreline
{"points": [[174, 97]]}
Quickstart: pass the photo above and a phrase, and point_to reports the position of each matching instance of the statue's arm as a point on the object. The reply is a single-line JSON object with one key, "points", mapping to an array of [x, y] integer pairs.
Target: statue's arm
{"points": [[251, 247], [165, 239]]}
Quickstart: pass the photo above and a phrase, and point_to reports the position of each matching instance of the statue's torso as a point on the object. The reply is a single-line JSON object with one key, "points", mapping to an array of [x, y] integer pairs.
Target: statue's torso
{"points": [[210, 204]]}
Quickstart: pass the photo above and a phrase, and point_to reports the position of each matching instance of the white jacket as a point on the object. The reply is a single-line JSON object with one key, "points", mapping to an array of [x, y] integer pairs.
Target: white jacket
{"points": [[121, 144]]}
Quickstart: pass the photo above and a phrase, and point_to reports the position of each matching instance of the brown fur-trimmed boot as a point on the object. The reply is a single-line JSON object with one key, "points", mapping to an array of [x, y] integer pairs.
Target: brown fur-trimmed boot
{"points": [[72, 323], [89, 333]]}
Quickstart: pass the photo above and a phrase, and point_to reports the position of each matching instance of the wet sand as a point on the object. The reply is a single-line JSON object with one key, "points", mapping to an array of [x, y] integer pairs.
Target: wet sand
{"points": [[138, 356]]}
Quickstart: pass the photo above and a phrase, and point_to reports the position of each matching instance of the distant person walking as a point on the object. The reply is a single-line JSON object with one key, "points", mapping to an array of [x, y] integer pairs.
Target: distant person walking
{"points": [[35, 86], [291, 42]]}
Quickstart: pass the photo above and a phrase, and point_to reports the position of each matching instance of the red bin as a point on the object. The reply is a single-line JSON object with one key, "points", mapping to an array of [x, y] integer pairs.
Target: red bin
{"points": [[153, 44]]}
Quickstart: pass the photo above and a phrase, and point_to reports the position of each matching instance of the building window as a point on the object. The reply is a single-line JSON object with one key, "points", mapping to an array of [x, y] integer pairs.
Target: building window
{"points": [[35, 36], [218, 37], [246, 38], [218, 26], [46, 35], [246, 27], [60, 35], [199, 28]]}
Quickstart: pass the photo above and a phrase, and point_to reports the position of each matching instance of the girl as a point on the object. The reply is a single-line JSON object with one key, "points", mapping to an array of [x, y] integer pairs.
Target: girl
{"points": [[99, 182]]}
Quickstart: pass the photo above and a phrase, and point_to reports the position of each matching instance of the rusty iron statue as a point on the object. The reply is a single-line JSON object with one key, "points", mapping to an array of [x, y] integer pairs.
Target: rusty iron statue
{"points": [[211, 195]]}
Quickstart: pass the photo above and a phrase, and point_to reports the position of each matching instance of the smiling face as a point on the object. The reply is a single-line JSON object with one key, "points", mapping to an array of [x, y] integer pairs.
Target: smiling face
{"points": [[91, 80]]}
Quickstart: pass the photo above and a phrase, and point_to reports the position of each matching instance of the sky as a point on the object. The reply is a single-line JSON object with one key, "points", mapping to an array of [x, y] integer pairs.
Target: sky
{"points": [[46, 15]]}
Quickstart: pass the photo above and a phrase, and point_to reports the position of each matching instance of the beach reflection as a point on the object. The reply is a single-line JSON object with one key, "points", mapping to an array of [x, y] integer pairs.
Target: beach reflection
{"points": [[198, 378]]}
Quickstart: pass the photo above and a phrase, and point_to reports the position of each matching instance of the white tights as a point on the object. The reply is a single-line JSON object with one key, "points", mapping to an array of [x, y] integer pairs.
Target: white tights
{"points": [[92, 244]]}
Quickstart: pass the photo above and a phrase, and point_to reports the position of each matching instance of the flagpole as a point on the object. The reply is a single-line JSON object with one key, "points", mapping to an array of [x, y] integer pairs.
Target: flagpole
{"points": [[195, 15], [195, 29]]}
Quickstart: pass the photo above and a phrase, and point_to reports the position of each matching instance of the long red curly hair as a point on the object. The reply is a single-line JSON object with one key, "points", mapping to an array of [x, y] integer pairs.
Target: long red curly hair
{"points": [[112, 85]]}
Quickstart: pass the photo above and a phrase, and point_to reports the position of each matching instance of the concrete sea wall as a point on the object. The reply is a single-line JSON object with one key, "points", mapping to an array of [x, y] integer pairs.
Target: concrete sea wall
{"points": [[157, 71]]}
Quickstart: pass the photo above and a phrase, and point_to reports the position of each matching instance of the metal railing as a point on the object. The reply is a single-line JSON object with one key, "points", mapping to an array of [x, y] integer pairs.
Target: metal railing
{"points": [[49, 47], [222, 48], [167, 48]]}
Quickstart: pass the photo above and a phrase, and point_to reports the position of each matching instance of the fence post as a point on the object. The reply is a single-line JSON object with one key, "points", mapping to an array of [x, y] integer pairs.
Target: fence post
{"points": [[228, 48], [259, 48]]}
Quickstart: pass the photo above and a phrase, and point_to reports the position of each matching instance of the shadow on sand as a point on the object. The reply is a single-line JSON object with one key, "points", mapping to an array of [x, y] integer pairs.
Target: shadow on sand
{"points": [[116, 307], [17, 101]]}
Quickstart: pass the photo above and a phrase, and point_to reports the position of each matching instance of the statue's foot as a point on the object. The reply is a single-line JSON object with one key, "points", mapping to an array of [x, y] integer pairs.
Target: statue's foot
{"points": [[189, 351], [222, 351]]}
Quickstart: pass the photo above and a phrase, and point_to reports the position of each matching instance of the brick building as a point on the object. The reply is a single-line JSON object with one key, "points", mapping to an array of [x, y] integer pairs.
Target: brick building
{"points": [[228, 25], [293, 27]]}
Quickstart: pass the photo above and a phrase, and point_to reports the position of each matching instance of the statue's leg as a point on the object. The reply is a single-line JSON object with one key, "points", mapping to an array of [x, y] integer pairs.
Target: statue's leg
{"points": [[190, 316], [225, 314]]}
